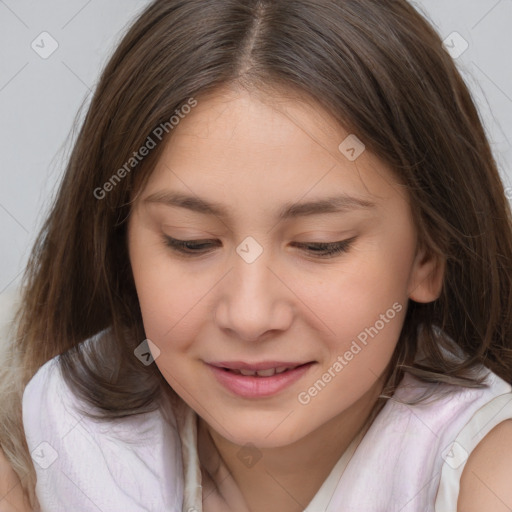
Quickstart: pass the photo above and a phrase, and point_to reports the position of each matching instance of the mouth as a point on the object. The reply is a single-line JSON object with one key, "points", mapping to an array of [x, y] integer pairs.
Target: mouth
{"points": [[259, 380], [269, 372]]}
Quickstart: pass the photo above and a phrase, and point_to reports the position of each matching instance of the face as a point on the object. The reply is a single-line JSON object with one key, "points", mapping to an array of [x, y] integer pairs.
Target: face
{"points": [[241, 276]]}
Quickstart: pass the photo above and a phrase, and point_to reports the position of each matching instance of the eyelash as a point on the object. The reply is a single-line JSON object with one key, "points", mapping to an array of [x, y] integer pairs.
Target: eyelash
{"points": [[321, 250]]}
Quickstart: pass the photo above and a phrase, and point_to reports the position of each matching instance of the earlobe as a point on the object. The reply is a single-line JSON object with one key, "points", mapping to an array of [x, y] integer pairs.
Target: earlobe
{"points": [[427, 275]]}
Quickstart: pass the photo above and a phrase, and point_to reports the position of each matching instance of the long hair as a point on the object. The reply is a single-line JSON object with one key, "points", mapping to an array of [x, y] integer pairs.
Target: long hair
{"points": [[380, 69]]}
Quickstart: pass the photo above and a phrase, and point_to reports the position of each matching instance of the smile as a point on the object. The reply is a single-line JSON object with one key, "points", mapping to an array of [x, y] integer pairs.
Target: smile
{"points": [[261, 373], [258, 382]]}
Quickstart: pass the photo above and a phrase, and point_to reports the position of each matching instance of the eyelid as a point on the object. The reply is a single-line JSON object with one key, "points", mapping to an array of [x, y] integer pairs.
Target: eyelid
{"points": [[323, 249]]}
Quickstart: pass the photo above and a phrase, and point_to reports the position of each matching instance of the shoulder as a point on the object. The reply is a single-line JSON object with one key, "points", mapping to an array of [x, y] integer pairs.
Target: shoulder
{"points": [[12, 497], [485, 482], [45, 399], [126, 463]]}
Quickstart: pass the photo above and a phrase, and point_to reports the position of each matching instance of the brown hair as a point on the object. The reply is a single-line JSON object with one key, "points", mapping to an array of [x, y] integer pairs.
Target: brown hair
{"points": [[380, 69]]}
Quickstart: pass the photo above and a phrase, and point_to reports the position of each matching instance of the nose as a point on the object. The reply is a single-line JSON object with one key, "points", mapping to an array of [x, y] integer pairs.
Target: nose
{"points": [[254, 301]]}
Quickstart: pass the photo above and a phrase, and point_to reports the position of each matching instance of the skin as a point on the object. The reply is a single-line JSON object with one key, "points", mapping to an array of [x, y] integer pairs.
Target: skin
{"points": [[12, 497], [254, 152], [485, 481]]}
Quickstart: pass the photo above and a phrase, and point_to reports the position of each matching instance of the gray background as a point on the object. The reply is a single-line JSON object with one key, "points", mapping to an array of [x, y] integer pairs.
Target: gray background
{"points": [[40, 98]]}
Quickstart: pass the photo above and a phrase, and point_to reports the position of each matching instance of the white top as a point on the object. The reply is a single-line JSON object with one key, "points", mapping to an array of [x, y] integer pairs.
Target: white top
{"points": [[410, 459]]}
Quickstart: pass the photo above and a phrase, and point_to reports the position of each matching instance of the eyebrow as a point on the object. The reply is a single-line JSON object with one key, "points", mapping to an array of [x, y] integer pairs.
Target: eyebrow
{"points": [[334, 204]]}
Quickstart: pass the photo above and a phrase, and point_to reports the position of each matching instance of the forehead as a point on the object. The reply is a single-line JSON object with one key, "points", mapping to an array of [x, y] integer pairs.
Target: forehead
{"points": [[281, 108], [241, 144]]}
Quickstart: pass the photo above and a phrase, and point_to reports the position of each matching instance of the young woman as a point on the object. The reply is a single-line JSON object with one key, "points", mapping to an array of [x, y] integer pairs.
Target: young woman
{"points": [[276, 276]]}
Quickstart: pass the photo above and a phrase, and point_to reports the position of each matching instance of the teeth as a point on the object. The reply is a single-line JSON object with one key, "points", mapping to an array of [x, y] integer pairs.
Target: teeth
{"points": [[247, 372], [266, 373], [262, 373]]}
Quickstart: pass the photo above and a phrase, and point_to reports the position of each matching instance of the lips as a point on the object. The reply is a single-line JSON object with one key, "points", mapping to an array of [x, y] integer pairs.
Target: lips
{"points": [[258, 380]]}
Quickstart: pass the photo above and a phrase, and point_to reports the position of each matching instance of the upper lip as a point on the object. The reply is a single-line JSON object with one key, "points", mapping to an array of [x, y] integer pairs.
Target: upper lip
{"points": [[263, 365]]}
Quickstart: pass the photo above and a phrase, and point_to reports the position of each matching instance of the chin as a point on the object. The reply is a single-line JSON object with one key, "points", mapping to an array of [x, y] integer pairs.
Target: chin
{"points": [[270, 433]]}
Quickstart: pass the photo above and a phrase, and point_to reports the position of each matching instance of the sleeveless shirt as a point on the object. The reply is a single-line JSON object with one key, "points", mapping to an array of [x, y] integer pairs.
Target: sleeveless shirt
{"points": [[410, 459]]}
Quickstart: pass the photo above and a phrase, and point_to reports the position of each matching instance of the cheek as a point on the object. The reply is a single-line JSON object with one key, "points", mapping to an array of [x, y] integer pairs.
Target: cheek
{"points": [[356, 297], [366, 322], [363, 308], [169, 303], [175, 301], [161, 290]]}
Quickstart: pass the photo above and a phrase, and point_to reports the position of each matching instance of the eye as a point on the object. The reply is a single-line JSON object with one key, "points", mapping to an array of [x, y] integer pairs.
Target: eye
{"points": [[326, 250], [199, 247], [192, 247]]}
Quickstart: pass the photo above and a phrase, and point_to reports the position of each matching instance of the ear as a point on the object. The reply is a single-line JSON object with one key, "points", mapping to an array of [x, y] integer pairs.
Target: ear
{"points": [[426, 281]]}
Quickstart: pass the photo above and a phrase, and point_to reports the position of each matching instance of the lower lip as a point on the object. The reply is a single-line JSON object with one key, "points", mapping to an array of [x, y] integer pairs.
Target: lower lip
{"points": [[258, 387]]}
